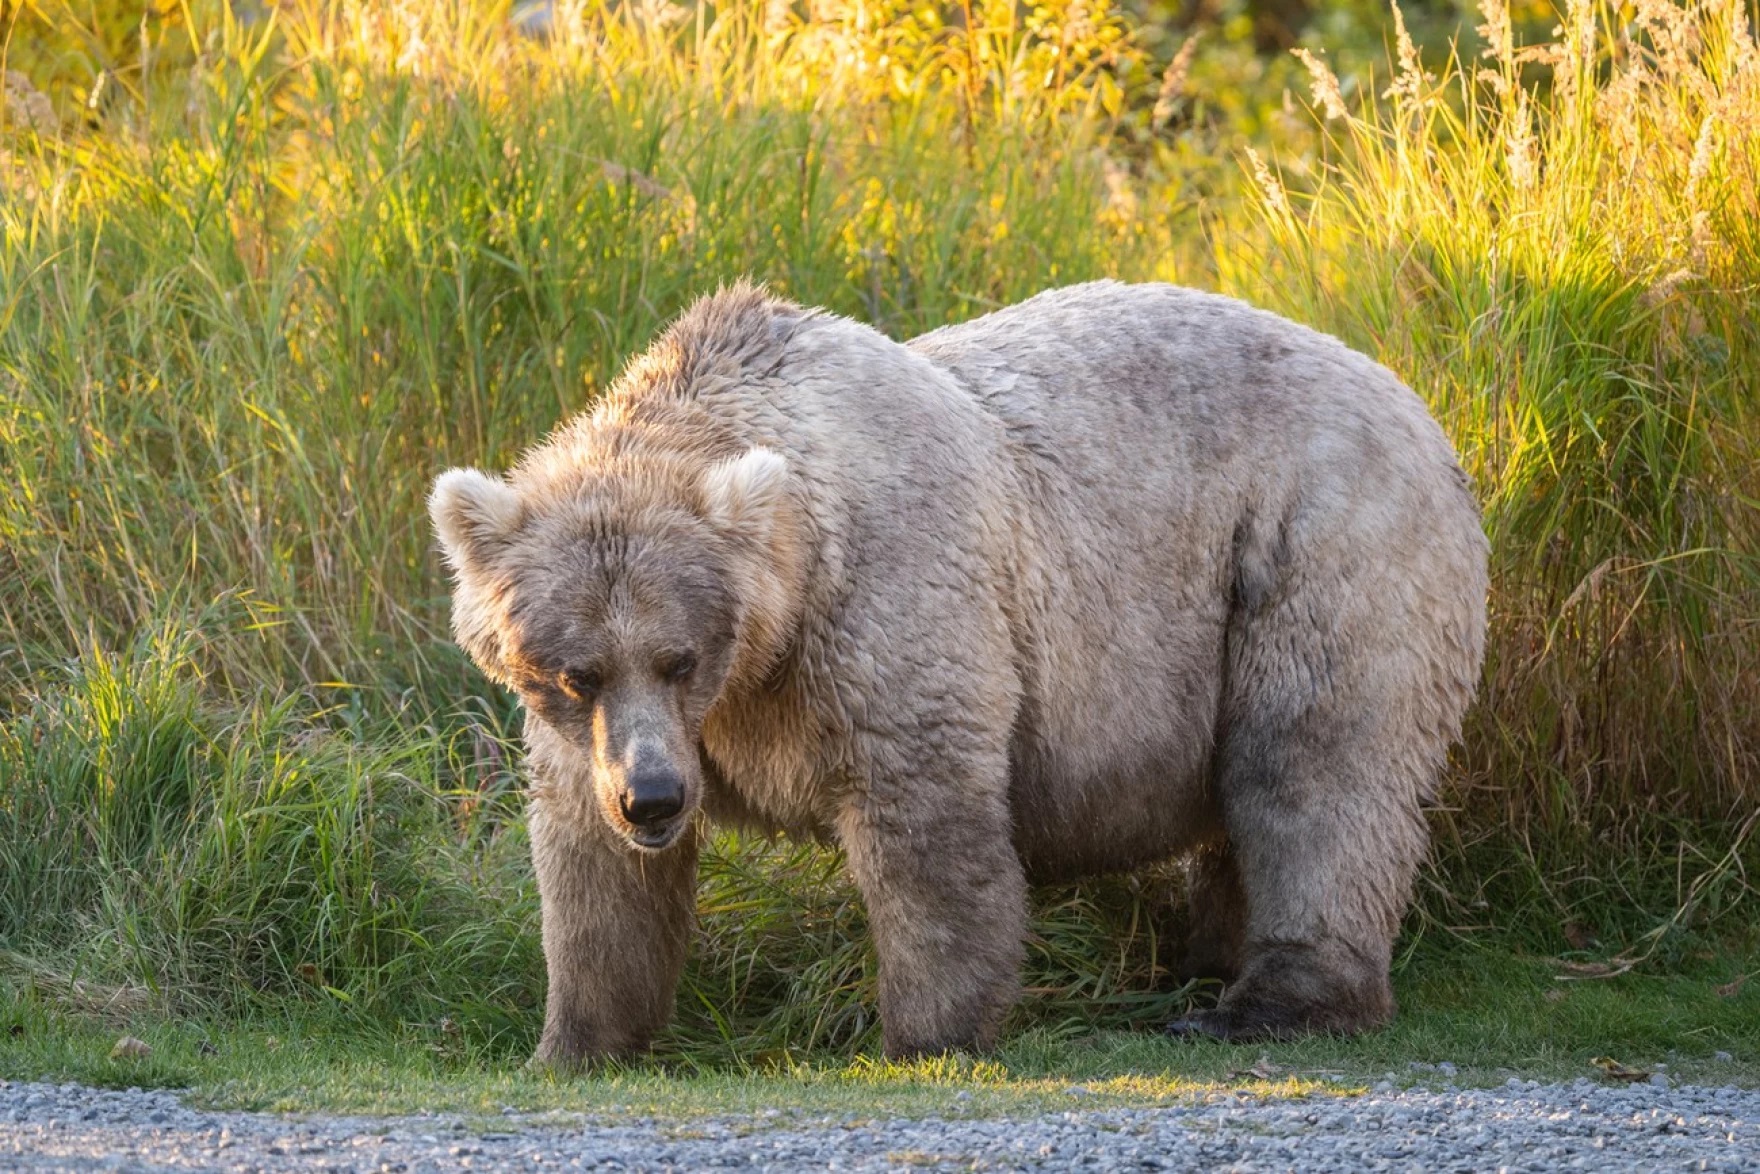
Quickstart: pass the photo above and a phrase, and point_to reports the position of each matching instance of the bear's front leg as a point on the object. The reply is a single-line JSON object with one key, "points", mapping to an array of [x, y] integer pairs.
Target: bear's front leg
{"points": [[930, 850], [616, 925]]}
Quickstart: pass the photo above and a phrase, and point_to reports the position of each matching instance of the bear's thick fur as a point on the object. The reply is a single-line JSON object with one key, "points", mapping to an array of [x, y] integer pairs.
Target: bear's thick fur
{"points": [[1119, 573]]}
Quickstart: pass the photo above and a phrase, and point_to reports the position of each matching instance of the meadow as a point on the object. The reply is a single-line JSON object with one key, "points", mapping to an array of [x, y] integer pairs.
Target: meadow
{"points": [[263, 273]]}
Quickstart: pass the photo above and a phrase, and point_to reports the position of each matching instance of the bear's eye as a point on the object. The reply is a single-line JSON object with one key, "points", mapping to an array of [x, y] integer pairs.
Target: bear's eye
{"points": [[580, 684], [678, 666]]}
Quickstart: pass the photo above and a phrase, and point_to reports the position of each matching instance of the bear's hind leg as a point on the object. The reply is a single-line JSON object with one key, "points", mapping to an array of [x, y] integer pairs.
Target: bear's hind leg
{"points": [[1217, 914], [1327, 836]]}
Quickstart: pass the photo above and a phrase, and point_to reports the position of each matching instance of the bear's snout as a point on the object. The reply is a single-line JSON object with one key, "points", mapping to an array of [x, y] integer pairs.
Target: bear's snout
{"points": [[650, 798]]}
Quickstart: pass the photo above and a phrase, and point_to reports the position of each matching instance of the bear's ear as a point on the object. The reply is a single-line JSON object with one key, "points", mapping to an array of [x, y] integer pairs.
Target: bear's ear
{"points": [[742, 494], [473, 514]]}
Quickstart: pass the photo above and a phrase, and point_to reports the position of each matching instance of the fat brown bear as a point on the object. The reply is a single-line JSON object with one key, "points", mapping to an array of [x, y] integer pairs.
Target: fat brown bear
{"points": [[1121, 573]]}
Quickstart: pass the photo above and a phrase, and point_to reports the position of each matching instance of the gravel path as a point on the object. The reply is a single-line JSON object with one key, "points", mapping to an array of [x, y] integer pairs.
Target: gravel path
{"points": [[1523, 1126]]}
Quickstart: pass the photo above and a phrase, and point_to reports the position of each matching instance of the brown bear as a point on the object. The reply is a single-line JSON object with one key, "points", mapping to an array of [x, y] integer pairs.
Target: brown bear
{"points": [[1120, 573]]}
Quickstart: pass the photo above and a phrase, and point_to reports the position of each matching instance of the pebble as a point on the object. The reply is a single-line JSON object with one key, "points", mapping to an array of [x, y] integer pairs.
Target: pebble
{"points": [[1521, 1125]]}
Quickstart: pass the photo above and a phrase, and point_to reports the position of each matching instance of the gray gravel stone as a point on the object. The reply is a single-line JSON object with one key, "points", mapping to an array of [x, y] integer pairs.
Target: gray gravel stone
{"points": [[1518, 1127]]}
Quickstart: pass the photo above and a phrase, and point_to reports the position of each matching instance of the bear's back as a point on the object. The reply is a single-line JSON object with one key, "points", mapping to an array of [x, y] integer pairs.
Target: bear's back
{"points": [[1183, 455]]}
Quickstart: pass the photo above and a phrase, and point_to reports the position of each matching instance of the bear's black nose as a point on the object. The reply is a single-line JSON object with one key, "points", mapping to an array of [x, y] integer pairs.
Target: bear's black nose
{"points": [[652, 796]]}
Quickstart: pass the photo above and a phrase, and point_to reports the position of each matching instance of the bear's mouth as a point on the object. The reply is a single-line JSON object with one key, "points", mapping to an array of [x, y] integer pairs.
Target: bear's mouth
{"points": [[657, 837]]}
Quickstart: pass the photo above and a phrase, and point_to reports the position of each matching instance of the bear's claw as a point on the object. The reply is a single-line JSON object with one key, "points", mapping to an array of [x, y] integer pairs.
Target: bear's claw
{"points": [[1199, 1024]]}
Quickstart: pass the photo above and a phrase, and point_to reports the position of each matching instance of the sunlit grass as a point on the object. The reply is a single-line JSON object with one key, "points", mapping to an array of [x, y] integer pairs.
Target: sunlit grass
{"points": [[1558, 246], [288, 268]]}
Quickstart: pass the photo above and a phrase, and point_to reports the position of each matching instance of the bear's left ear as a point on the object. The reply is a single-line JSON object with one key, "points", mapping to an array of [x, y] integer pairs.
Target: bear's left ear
{"points": [[743, 494]]}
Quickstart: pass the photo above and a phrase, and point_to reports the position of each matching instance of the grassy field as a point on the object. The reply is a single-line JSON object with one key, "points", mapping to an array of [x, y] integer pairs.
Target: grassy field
{"points": [[260, 279], [1473, 1017]]}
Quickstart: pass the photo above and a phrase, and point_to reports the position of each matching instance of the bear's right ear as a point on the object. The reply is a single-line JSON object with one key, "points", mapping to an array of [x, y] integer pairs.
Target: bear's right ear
{"points": [[474, 514]]}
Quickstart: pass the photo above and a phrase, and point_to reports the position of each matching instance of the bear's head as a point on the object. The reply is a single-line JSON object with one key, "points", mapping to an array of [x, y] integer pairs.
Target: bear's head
{"points": [[621, 599]]}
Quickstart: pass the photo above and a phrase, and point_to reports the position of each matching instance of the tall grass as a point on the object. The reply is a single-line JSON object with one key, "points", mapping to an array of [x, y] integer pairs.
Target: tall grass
{"points": [[244, 325], [288, 269], [217, 857]]}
